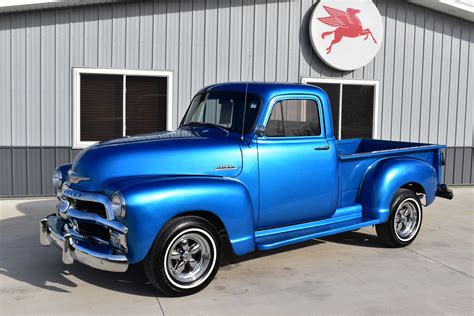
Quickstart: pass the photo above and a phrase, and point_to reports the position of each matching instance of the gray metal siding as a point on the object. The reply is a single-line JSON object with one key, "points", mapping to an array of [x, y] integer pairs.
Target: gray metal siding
{"points": [[425, 67]]}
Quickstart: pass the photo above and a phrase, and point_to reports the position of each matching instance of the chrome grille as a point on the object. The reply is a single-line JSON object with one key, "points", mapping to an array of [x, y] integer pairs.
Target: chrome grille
{"points": [[89, 206]]}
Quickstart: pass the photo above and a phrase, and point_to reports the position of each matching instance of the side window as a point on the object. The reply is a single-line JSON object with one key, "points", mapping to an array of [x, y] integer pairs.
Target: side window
{"points": [[294, 118]]}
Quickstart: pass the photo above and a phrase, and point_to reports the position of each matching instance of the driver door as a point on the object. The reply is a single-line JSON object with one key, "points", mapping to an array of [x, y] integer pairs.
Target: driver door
{"points": [[297, 165]]}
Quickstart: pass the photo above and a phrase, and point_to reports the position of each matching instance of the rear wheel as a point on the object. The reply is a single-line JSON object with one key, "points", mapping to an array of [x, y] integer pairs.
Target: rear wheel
{"points": [[185, 257], [404, 222]]}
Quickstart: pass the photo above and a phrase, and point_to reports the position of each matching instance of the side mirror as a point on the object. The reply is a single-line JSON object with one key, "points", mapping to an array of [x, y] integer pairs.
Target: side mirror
{"points": [[260, 131]]}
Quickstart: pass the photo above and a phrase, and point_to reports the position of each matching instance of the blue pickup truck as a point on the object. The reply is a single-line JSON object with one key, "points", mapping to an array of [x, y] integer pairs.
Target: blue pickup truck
{"points": [[254, 165]]}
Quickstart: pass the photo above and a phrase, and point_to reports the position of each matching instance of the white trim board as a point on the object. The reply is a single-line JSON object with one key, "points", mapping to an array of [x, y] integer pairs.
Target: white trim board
{"points": [[360, 82], [76, 97]]}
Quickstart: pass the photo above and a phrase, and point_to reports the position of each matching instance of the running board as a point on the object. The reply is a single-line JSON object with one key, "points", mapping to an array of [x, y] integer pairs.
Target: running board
{"points": [[283, 236]]}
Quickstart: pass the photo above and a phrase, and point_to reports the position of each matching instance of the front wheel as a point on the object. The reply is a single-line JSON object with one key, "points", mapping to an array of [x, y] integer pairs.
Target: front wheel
{"points": [[404, 222], [185, 257]]}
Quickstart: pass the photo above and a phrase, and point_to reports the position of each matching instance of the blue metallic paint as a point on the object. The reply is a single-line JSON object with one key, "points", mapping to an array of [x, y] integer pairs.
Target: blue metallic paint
{"points": [[163, 175], [151, 203], [386, 176]]}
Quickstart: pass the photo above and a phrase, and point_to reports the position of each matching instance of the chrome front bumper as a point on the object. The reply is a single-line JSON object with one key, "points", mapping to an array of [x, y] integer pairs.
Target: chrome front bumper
{"points": [[75, 246]]}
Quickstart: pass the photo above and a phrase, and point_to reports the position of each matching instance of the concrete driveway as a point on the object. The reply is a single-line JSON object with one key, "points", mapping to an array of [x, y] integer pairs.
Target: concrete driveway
{"points": [[350, 273]]}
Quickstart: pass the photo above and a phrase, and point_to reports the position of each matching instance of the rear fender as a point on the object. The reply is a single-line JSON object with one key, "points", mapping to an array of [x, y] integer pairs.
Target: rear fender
{"points": [[385, 177], [152, 203]]}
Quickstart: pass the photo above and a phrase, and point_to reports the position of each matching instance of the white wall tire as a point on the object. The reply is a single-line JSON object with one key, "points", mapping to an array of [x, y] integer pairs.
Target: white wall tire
{"points": [[404, 223], [185, 256]]}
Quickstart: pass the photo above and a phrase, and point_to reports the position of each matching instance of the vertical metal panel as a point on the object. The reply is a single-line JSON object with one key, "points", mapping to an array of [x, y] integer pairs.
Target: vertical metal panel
{"points": [[33, 166], [48, 163], [462, 88], [235, 40], [398, 70], [452, 106], [389, 65], [48, 80], [132, 48], [91, 36], [223, 27], [293, 41], [77, 38], [468, 166], [426, 78], [444, 91], [63, 77], [379, 64], [457, 165], [282, 46], [306, 50], [5, 78], [415, 102], [407, 80], [18, 81], [160, 33], [436, 81], [33, 79], [146, 35], [259, 41], [6, 177], [271, 29], [469, 124], [61, 156], [247, 57], [198, 41], [210, 47], [449, 168], [19, 171], [172, 49], [105, 36], [185, 52], [119, 35]]}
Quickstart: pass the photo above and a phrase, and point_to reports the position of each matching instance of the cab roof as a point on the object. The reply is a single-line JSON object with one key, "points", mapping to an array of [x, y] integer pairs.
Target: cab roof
{"points": [[266, 90]]}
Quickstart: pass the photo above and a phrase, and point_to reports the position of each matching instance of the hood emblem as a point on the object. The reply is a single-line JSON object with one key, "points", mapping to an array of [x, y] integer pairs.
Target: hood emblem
{"points": [[76, 178], [225, 167]]}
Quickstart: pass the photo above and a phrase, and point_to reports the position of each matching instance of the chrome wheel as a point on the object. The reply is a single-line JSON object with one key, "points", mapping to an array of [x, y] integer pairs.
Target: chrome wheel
{"points": [[407, 219], [190, 258]]}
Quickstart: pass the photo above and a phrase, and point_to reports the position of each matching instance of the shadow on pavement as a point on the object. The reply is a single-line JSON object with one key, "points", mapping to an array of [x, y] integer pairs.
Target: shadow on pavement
{"points": [[22, 257]]}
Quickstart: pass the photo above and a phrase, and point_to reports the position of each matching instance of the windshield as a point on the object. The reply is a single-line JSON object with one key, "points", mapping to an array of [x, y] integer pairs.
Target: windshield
{"points": [[224, 110]]}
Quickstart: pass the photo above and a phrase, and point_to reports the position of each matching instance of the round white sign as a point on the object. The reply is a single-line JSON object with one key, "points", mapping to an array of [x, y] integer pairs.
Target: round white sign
{"points": [[346, 34]]}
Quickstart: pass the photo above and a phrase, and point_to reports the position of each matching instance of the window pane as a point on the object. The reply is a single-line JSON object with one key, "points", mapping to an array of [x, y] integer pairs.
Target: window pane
{"points": [[332, 90], [291, 118], [101, 107], [357, 111], [145, 104], [224, 109]]}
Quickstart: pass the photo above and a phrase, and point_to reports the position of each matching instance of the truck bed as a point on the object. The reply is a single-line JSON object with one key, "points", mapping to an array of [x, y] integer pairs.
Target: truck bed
{"points": [[357, 155]]}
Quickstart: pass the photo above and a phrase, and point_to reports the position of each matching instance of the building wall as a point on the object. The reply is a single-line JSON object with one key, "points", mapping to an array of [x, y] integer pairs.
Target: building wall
{"points": [[425, 68]]}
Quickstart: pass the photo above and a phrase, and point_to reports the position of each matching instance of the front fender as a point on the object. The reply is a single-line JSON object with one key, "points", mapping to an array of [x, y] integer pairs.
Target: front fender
{"points": [[152, 203], [385, 177]]}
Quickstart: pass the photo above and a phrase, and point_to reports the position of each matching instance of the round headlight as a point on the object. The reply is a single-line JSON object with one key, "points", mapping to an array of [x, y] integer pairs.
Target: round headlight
{"points": [[118, 205], [57, 179]]}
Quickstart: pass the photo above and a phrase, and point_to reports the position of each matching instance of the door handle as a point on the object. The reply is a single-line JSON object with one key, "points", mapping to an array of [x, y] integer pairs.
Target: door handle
{"points": [[322, 148]]}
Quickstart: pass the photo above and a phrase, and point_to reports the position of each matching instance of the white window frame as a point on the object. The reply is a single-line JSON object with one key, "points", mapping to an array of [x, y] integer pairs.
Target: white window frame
{"points": [[77, 72], [374, 83]]}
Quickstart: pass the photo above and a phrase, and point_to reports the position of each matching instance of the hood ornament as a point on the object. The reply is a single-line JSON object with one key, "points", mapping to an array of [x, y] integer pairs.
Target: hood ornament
{"points": [[75, 177]]}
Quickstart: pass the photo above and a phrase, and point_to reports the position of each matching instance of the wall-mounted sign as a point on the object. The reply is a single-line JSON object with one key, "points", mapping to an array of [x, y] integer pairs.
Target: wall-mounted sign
{"points": [[346, 34]]}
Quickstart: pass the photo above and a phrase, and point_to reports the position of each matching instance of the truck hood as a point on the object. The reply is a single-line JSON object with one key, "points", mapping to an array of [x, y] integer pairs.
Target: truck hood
{"points": [[196, 151]]}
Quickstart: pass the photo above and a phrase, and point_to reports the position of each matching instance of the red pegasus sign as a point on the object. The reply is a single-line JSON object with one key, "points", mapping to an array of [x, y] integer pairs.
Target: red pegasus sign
{"points": [[347, 24]]}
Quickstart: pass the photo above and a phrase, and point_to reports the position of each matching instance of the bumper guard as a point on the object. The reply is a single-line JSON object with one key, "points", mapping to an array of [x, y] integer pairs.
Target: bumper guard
{"points": [[76, 247]]}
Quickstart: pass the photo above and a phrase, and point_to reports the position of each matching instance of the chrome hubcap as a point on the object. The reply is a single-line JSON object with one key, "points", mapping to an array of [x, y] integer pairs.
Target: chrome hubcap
{"points": [[407, 219], [189, 258]]}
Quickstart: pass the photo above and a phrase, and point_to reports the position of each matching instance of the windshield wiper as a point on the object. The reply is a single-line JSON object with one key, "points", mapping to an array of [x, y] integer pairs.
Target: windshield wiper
{"points": [[206, 125]]}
